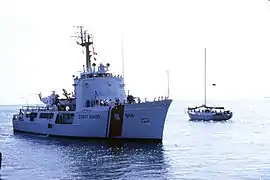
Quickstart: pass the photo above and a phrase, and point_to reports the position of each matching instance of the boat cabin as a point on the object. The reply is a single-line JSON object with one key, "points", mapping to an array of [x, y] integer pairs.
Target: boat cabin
{"points": [[208, 109]]}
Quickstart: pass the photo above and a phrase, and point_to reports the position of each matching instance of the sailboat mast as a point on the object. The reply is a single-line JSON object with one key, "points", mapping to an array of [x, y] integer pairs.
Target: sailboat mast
{"points": [[205, 76]]}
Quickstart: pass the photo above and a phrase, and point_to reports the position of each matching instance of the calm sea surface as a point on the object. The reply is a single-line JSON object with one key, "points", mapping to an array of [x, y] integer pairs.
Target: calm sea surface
{"points": [[237, 149]]}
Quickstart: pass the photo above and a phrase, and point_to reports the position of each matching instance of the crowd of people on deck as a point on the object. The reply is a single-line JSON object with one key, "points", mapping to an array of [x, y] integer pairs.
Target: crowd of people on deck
{"points": [[130, 100]]}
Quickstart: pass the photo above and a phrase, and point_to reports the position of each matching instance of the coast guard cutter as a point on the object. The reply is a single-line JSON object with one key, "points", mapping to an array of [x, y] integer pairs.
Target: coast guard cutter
{"points": [[98, 108]]}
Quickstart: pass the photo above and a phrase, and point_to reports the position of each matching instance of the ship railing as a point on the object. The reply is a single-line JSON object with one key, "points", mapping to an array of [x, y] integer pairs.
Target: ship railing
{"points": [[99, 102], [38, 108], [106, 102], [159, 98], [218, 112], [99, 74], [138, 100]]}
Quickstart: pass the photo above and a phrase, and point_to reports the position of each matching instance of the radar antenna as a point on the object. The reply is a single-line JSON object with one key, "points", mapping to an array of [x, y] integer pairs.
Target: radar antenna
{"points": [[85, 40]]}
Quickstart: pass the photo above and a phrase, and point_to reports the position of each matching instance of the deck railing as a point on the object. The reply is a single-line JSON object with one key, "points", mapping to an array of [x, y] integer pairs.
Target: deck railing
{"points": [[38, 108], [95, 103]]}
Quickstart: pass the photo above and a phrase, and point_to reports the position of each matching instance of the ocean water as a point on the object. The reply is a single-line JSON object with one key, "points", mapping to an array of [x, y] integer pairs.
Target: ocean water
{"points": [[237, 149]]}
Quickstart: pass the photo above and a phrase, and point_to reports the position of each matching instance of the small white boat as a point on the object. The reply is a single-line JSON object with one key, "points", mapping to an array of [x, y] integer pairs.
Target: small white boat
{"points": [[207, 113]]}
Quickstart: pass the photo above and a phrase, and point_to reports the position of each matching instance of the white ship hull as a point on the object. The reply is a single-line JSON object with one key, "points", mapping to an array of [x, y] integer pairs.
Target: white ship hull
{"points": [[135, 121], [208, 116]]}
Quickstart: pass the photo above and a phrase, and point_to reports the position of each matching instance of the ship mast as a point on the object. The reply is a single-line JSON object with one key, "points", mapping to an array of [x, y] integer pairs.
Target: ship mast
{"points": [[205, 76], [123, 62], [86, 40]]}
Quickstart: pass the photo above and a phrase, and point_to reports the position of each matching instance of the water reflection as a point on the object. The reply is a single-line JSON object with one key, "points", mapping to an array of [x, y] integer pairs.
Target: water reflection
{"points": [[89, 159]]}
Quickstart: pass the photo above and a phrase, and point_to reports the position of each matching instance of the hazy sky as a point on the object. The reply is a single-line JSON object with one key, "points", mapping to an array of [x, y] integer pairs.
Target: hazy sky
{"points": [[38, 55]]}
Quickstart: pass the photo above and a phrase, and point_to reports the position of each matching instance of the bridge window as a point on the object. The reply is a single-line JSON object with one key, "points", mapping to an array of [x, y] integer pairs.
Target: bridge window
{"points": [[46, 115], [32, 114], [91, 75]]}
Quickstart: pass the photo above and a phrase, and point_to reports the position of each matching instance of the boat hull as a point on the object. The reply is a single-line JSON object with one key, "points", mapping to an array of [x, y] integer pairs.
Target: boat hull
{"points": [[209, 116], [143, 121]]}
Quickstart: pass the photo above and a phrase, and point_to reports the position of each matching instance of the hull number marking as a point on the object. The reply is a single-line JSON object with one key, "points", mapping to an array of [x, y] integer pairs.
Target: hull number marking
{"points": [[145, 120], [128, 115]]}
